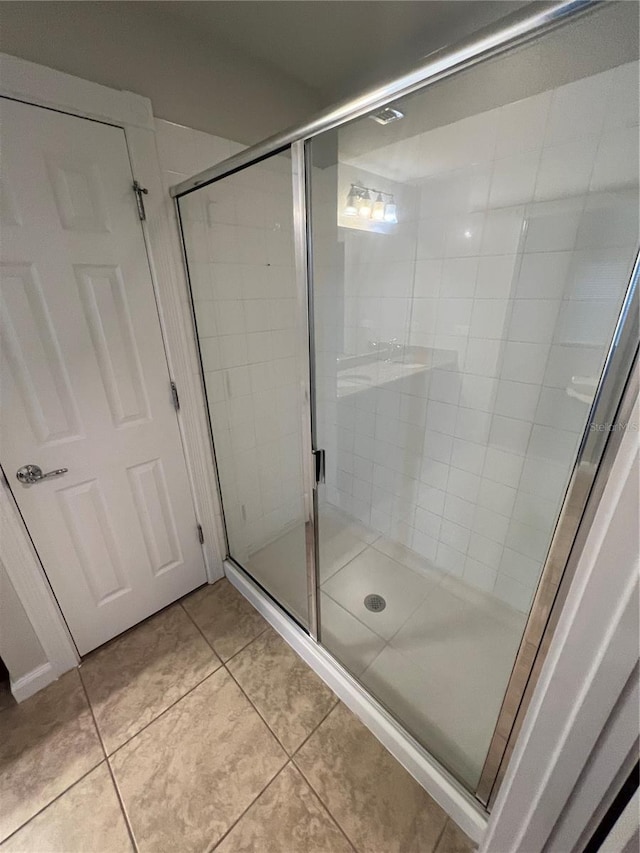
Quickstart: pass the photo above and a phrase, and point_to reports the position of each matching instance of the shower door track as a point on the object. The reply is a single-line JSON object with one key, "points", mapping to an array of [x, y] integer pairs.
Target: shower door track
{"points": [[586, 480]]}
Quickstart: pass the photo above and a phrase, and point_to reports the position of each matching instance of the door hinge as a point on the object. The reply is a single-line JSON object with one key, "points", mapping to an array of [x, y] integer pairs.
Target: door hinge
{"points": [[200, 535], [174, 394], [318, 458], [140, 191]]}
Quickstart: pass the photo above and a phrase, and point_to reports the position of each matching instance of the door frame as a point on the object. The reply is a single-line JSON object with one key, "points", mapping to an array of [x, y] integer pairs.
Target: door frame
{"points": [[44, 87]]}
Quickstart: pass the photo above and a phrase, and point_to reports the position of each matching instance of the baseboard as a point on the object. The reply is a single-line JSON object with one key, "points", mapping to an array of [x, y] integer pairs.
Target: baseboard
{"points": [[464, 809], [33, 681]]}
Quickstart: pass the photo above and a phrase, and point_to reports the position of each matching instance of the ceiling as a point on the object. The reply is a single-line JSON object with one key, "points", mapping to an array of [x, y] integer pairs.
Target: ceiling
{"points": [[337, 47]]}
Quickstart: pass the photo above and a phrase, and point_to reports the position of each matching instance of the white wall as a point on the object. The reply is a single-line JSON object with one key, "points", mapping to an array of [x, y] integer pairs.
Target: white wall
{"points": [[515, 265], [190, 76], [20, 648]]}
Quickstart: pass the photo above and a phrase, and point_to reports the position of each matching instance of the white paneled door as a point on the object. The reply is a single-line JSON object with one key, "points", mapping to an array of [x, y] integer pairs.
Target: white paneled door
{"points": [[85, 384]]}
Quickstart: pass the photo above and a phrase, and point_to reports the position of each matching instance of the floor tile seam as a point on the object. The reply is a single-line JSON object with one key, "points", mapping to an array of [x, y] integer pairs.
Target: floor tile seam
{"points": [[421, 574], [247, 644], [53, 800], [123, 808], [109, 768], [110, 755], [353, 616], [255, 799], [413, 612], [365, 545], [415, 572], [348, 563], [441, 835], [421, 601], [260, 714], [210, 643], [326, 806], [317, 726]]}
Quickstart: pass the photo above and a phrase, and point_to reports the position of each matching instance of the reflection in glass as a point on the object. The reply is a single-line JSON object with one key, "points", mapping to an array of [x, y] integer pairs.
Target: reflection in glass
{"points": [[239, 244], [458, 348]]}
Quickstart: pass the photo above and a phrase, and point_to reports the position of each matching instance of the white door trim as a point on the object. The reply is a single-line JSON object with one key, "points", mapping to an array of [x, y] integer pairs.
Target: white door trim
{"points": [[41, 86], [32, 588]]}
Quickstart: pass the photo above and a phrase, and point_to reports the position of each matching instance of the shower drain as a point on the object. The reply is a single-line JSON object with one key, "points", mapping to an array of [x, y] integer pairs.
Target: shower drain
{"points": [[375, 602]]}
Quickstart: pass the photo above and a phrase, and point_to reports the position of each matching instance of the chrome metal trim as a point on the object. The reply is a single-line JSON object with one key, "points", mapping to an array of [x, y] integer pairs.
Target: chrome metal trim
{"points": [[194, 324], [305, 315], [467, 53], [585, 488], [411, 754]]}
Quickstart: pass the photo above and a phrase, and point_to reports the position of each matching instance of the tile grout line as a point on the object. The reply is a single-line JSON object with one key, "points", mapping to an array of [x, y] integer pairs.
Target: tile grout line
{"points": [[109, 768], [51, 802], [271, 732], [210, 644], [334, 818], [440, 836], [316, 727], [257, 710], [164, 711], [308, 781], [324, 805], [257, 797]]}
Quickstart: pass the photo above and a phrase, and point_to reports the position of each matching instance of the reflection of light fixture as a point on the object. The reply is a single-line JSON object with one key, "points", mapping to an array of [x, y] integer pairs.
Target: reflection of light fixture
{"points": [[390, 214], [351, 208], [364, 209], [467, 234], [378, 209], [359, 204], [387, 115]]}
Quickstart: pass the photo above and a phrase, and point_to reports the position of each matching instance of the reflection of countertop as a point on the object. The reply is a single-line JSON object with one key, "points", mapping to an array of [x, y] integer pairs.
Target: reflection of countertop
{"points": [[360, 372]]}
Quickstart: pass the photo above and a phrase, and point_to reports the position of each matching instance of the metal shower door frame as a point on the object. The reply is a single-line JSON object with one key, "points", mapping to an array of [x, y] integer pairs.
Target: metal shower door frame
{"points": [[589, 471]]}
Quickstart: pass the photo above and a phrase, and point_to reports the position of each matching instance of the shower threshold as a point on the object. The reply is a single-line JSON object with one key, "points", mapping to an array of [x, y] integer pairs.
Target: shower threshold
{"points": [[459, 804]]}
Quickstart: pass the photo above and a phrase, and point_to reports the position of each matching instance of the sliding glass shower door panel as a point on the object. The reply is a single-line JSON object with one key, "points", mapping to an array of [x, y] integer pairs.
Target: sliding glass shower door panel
{"points": [[239, 243], [470, 259]]}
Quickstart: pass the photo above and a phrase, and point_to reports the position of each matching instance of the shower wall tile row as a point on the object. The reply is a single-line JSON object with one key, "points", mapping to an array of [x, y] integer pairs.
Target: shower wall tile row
{"points": [[240, 247], [511, 259]]}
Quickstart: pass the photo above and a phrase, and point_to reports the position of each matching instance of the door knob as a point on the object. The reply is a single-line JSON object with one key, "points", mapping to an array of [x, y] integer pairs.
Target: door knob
{"points": [[33, 473]]}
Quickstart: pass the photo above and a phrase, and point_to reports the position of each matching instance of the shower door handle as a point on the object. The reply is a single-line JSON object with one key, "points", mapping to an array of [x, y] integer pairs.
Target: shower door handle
{"points": [[318, 456]]}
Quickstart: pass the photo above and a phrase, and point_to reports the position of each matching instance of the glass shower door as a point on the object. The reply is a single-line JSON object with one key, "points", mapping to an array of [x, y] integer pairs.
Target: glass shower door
{"points": [[239, 246], [470, 260]]}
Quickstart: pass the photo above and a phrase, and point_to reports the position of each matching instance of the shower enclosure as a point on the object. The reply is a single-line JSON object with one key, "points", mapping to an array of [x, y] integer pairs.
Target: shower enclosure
{"points": [[416, 317]]}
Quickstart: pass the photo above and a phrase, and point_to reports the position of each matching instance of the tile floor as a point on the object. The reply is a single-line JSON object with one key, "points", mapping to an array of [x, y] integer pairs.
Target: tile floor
{"points": [[438, 656], [200, 730]]}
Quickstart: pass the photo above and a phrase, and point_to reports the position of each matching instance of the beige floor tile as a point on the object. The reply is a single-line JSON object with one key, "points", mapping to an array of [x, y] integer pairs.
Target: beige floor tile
{"points": [[375, 801], [288, 694], [454, 840], [138, 676], [46, 744], [286, 818], [191, 773], [87, 817], [225, 617]]}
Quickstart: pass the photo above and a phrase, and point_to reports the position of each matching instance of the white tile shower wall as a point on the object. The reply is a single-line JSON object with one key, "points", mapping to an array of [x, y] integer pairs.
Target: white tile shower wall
{"points": [[182, 152], [519, 265], [239, 242]]}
